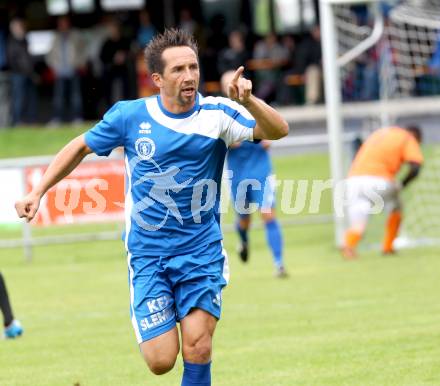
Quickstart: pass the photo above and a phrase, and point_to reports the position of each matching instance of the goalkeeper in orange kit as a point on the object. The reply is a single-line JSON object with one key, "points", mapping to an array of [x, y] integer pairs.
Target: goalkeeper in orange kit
{"points": [[372, 174]]}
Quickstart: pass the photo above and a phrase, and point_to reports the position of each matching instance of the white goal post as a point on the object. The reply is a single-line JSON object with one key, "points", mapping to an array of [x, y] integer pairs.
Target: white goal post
{"points": [[403, 36], [332, 87]]}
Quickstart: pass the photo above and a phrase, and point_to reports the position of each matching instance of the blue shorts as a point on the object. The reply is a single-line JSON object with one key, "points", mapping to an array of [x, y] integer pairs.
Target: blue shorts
{"points": [[164, 289], [255, 191]]}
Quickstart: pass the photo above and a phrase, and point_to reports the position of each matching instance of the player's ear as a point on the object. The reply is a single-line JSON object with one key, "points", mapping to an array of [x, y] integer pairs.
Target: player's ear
{"points": [[157, 79]]}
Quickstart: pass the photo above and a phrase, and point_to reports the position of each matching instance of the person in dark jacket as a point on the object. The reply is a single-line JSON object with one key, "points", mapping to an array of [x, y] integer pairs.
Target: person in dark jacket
{"points": [[23, 77], [235, 54], [308, 62], [67, 58], [115, 56]]}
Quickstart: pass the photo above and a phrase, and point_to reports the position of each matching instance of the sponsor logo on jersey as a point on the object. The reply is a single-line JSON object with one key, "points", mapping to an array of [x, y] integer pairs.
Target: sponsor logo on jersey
{"points": [[159, 312], [144, 128], [156, 319]]}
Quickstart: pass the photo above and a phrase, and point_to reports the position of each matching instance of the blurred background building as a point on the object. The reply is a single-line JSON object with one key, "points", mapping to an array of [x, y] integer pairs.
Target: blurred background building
{"points": [[82, 55], [77, 57]]}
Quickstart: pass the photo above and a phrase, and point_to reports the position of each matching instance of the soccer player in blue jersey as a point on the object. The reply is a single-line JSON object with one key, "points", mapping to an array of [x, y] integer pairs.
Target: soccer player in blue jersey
{"points": [[252, 182], [174, 146]]}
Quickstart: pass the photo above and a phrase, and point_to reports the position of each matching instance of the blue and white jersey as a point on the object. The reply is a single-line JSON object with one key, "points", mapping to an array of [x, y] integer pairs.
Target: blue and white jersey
{"points": [[173, 165], [249, 161]]}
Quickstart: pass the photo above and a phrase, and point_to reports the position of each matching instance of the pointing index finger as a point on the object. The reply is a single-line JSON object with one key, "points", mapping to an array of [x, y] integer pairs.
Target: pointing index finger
{"points": [[237, 74]]}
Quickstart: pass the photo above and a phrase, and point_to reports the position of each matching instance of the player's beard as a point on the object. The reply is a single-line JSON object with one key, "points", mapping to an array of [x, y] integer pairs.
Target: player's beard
{"points": [[187, 100]]}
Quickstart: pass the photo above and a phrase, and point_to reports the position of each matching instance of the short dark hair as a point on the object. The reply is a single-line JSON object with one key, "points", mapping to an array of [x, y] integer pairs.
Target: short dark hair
{"points": [[172, 37], [415, 131]]}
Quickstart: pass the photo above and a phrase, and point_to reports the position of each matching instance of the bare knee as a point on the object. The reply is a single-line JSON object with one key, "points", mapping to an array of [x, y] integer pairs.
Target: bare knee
{"points": [[198, 349], [268, 215], [160, 364], [160, 353]]}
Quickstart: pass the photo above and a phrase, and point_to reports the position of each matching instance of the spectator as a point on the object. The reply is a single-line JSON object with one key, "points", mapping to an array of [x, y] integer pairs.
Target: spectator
{"points": [[308, 63], [187, 23], [288, 42], [432, 78], [98, 35], [114, 57], [285, 94], [434, 62], [269, 56], [3, 34], [4, 77], [216, 41], [23, 77], [369, 73], [235, 55], [67, 59], [193, 27], [146, 30]]}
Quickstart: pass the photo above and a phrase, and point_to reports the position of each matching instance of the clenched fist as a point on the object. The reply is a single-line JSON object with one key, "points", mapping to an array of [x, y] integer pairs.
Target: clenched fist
{"points": [[27, 207]]}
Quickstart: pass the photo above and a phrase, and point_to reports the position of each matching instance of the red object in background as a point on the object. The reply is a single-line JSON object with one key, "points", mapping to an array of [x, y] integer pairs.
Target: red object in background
{"points": [[47, 76], [146, 86], [93, 192]]}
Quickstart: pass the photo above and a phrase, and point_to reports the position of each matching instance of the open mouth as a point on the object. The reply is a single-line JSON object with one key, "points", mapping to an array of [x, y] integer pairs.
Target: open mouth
{"points": [[188, 91]]}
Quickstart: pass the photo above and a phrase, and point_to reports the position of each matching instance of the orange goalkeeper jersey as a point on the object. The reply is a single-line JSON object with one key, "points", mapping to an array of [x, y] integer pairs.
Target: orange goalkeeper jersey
{"points": [[384, 152]]}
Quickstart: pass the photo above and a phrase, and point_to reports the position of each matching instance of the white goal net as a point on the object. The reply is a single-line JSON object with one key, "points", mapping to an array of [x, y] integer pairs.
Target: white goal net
{"points": [[405, 61], [389, 53]]}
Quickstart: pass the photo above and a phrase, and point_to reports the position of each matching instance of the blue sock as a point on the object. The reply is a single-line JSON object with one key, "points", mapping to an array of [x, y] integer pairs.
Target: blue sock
{"points": [[195, 374], [275, 241], [243, 233]]}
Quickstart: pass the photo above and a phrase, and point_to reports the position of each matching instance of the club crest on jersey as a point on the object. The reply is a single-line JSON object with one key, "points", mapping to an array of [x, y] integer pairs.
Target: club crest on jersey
{"points": [[145, 148]]}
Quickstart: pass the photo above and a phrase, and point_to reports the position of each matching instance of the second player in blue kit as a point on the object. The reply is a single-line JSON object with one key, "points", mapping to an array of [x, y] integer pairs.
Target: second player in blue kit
{"points": [[253, 183]]}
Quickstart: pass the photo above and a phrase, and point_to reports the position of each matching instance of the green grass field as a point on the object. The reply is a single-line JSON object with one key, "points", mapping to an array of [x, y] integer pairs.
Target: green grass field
{"points": [[30, 141], [374, 321]]}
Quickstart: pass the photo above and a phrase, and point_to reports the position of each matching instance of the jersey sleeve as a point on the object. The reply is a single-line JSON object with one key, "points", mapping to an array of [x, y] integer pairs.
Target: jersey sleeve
{"points": [[108, 133], [412, 151], [236, 123]]}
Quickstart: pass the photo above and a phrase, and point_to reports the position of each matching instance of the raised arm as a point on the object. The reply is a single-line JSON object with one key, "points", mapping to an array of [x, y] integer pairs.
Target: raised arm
{"points": [[62, 165], [270, 124]]}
